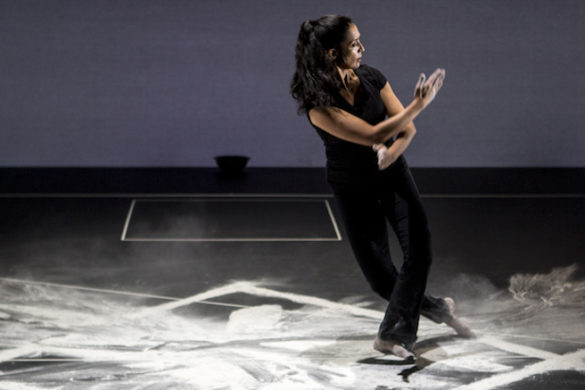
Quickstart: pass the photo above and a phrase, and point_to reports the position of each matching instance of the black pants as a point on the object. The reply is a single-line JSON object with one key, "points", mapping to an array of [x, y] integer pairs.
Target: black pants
{"points": [[394, 197]]}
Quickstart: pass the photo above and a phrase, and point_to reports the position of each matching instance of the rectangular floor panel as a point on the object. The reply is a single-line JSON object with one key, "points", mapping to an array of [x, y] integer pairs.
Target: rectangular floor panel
{"points": [[230, 220]]}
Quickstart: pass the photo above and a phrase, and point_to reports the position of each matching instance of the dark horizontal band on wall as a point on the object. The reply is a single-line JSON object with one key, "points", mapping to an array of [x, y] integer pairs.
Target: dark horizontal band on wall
{"points": [[280, 180]]}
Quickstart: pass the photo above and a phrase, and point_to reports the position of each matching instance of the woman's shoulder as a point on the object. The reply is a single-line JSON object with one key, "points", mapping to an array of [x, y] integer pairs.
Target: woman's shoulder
{"points": [[373, 75]]}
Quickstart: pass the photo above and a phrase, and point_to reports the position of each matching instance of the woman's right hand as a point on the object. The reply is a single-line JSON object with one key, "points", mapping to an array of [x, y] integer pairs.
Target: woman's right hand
{"points": [[425, 91]]}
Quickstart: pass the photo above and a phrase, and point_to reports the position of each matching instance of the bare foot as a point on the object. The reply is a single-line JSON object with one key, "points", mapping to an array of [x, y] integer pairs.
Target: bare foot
{"points": [[392, 348], [455, 323]]}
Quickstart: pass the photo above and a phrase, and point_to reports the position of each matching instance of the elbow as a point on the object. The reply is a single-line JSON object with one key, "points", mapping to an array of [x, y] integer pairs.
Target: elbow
{"points": [[409, 131], [412, 131]]}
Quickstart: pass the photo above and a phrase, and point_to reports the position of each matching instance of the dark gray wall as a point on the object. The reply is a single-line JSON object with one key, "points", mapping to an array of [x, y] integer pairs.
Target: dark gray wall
{"points": [[174, 83]]}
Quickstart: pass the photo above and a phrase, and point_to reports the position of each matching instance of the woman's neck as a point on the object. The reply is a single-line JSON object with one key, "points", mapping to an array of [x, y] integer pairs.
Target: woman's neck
{"points": [[346, 75], [351, 84]]}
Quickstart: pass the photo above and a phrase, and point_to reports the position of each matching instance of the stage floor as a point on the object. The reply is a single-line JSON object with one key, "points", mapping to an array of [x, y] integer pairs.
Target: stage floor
{"points": [[261, 291]]}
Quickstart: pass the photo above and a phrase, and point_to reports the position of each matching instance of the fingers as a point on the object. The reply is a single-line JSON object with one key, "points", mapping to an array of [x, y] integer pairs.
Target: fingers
{"points": [[426, 89], [436, 79], [419, 85], [384, 159], [439, 72], [438, 82], [421, 79], [381, 161], [433, 84], [380, 150]]}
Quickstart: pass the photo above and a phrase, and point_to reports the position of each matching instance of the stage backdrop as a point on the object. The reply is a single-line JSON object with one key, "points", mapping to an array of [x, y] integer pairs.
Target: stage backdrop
{"points": [[110, 83]]}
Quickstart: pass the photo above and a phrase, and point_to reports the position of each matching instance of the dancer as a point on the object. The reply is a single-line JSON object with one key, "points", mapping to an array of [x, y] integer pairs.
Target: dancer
{"points": [[365, 130]]}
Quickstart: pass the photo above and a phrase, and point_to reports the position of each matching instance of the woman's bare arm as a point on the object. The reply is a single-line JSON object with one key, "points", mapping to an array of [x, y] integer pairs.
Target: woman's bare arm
{"points": [[346, 126], [349, 127], [386, 156]]}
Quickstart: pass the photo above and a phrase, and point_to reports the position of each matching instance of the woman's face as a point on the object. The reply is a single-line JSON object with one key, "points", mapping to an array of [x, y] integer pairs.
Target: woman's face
{"points": [[351, 49]]}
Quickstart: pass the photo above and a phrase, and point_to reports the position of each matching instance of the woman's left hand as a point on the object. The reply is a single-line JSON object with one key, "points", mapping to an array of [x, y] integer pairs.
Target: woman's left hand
{"points": [[385, 157]]}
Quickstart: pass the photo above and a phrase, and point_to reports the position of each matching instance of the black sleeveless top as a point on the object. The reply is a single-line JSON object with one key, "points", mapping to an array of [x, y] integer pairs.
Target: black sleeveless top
{"points": [[350, 165]]}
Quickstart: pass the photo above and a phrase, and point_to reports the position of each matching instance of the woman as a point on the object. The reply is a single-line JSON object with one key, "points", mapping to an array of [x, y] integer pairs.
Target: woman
{"points": [[365, 130]]}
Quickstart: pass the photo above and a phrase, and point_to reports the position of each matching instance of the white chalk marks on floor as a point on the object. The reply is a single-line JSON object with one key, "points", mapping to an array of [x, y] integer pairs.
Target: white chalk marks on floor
{"points": [[71, 337]]}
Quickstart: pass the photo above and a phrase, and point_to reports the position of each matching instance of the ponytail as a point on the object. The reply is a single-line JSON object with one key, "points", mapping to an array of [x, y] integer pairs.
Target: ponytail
{"points": [[315, 80]]}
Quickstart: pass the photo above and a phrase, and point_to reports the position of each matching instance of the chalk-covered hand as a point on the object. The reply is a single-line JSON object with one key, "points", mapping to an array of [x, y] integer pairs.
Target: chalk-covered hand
{"points": [[426, 90], [385, 158]]}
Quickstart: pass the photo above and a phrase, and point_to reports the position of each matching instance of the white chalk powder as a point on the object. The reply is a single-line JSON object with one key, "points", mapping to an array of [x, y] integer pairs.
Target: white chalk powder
{"points": [[325, 345]]}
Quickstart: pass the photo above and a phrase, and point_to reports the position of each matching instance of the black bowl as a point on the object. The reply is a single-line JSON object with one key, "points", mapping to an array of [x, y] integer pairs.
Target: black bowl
{"points": [[231, 164]]}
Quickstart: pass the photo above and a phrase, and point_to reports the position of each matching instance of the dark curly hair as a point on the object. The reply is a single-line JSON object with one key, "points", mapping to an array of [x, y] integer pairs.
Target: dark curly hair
{"points": [[316, 80]]}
